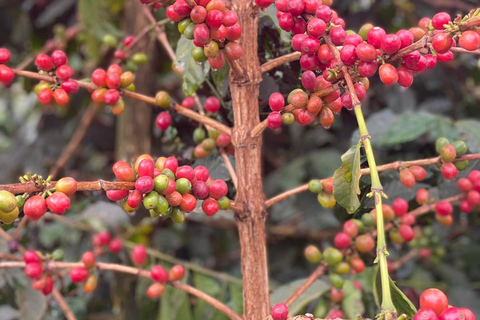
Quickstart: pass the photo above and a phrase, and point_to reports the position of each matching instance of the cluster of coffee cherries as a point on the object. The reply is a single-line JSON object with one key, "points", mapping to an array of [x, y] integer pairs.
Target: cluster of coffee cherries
{"points": [[121, 51], [207, 144], [448, 152], [471, 187], [324, 189], [103, 241], [212, 27], [280, 310], [34, 269], [158, 273], [434, 306], [168, 190], [109, 82], [55, 64], [9, 206], [6, 74]]}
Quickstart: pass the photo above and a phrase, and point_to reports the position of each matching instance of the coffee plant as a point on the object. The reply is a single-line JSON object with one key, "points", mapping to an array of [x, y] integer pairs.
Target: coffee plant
{"points": [[248, 71]]}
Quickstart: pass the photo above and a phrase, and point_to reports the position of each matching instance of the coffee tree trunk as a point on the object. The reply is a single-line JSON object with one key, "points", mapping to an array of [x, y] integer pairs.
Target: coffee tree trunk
{"points": [[250, 198], [133, 133]]}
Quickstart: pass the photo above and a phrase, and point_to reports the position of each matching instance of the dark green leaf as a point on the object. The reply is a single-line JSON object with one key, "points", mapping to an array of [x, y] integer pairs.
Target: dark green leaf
{"points": [[471, 130], [193, 74], [400, 301], [221, 74], [317, 289], [444, 127], [236, 297], [210, 286], [352, 304], [175, 305], [346, 180], [408, 127]]}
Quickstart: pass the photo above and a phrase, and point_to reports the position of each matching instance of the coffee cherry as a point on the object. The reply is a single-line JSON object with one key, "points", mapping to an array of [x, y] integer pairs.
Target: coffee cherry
{"points": [[218, 61], [274, 120], [159, 274], [333, 256], [422, 196], [449, 171], [6, 75], [367, 69], [88, 259], [388, 74], [90, 284], [441, 42], [117, 195], [111, 96], [466, 206], [155, 290], [337, 34], [58, 202], [440, 19], [336, 280], [434, 300], [8, 202], [376, 36], [443, 208], [364, 243], [70, 86], [407, 178], [351, 228], [33, 270], [342, 241], [35, 207], [313, 254], [263, 3], [448, 153], [469, 40], [188, 103], [473, 197], [468, 314], [279, 311], [234, 32], [233, 50], [212, 104], [64, 72], [31, 256], [218, 189], [406, 232], [474, 175], [139, 255], [188, 204], [210, 207], [348, 55], [4, 55], [164, 120], [400, 207], [44, 62], [176, 273], [405, 77], [79, 274], [464, 184], [408, 219], [163, 99], [357, 264], [391, 44], [115, 245], [425, 314]]}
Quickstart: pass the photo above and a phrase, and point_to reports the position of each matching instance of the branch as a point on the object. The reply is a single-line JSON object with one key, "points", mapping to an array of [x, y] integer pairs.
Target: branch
{"points": [[390, 166], [51, 265], [63, 305], [136, 96], [161, 36], [229, 166], [272, 64], [412, 254], [305, 285]]}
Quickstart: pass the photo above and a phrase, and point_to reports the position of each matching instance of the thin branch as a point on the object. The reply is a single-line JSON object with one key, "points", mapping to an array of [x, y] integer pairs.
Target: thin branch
{"points": [[229, 166], [75, 141], [461, 50], [410, 255], [390, 166], [161, 36], [272, 64], [136, 96], [63, 305], [22, 224], [320, 271], [137, 272]]}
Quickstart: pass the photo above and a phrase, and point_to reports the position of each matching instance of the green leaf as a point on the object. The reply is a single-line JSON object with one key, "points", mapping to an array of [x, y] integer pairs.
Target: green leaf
{"points": [[317, 289], [400, 301], [346, 180], [471, 130], [175, 305], [444, 127], [219, 75], [408, 127], [210, 286], [192, 73], [236, 297], [352, 303]]}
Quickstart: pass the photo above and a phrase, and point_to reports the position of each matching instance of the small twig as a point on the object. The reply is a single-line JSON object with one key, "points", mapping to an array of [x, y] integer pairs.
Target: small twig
{"points": [[63, 305], [390, 166], [317, 273], [161, 36], [461, 50], [229, 166], [272, 64], [412, 254], [76, 139], [22, 224]]}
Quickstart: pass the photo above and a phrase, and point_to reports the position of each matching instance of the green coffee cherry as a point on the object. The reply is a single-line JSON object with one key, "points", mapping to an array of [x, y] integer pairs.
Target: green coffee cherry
{"points": [[368, 220], [162, 205], [178, 216], [198, 135], [461, 165], [110, 40], [183, 185], [151, 200], [182, 25], [223, 203], [188, 33], [160, 182], [287, 118], [364, 30], [440, 144], [209, 144], [460, 147], [8, 202], [58, 255], [315, 186], [332, 256], [198, 54], [140, 58], [163, 99], [336, 280]]}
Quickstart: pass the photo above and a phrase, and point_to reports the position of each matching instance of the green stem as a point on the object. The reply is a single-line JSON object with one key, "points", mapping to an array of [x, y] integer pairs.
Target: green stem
{"points": [[382, 253]]}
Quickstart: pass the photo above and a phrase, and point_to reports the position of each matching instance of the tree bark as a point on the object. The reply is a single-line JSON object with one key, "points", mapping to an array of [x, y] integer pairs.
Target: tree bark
{"points": [[244, 87], [133, 136]]}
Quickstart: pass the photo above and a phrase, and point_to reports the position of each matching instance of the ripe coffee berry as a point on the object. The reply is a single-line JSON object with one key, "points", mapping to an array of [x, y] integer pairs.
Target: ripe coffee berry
{"points": [[44, 62], [79, 274], [400, 207], [364, 243], [464, 184], [115, 245], [342, 240], [176, 273], [440, 19], [139, 255], [6, 74], [33, 270], [442, 43], [144, 184], [274, 120], [58, 203], [443, 208], [434, 300], [99, 77], [406, 232], [405, 77], [61, 97], [338, 35], [469, 40], [159, 274], [4, 55], [70, 86], [64, 72], [388, 74], [35, 207], [376, 36], [391, 44], [164, 120], [88, 259], [280, 311], [212, 104], [210, 207], [31, 257], [350, 228], [407, 178], [425, 314], [449, 171], [155, 290], [111, 96]]}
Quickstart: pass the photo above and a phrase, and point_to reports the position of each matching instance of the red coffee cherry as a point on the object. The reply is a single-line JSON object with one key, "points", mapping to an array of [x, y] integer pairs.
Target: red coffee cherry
{"points": [[45, 96], [111, 96], [6, 75], [464, 184], [234, 32], [117, 195], [466, 206], [70, 86], [357, 264], [144, 184], [391, 44], [405, 77], [469, 40], [350, 228], [189, 203], [159, 274], [443, 208], [119, 54], [61, 96], [434, 300], [33, 270], [348, 54], [425, 314], [418, 172], [155, 290], [441, 42], [440, 19], [336, 295], [364, 243], [64, 72], [376, 36], [342, 241], [367, 69], [115, 245], [218, 189], [171, 163], [422, 196], [280, 311], [473, 197], [176, 273], [388, 74], [31, 256], [274, 120], [366, 52], [59, 58], [408, 219], [163, 121], [4, 55], [124, 172], [99, 77], [400, 207], [338, 34], [449, 171], [35, 207], [139, 255], [88, 259], [212, 104], [66, 185], [406, 38], [58, 203], [233, 50], [145, 167], [406, 232], [210, 206], [188, 103], [44, 62], [474, 175], [79, 274], [407, 178]]}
